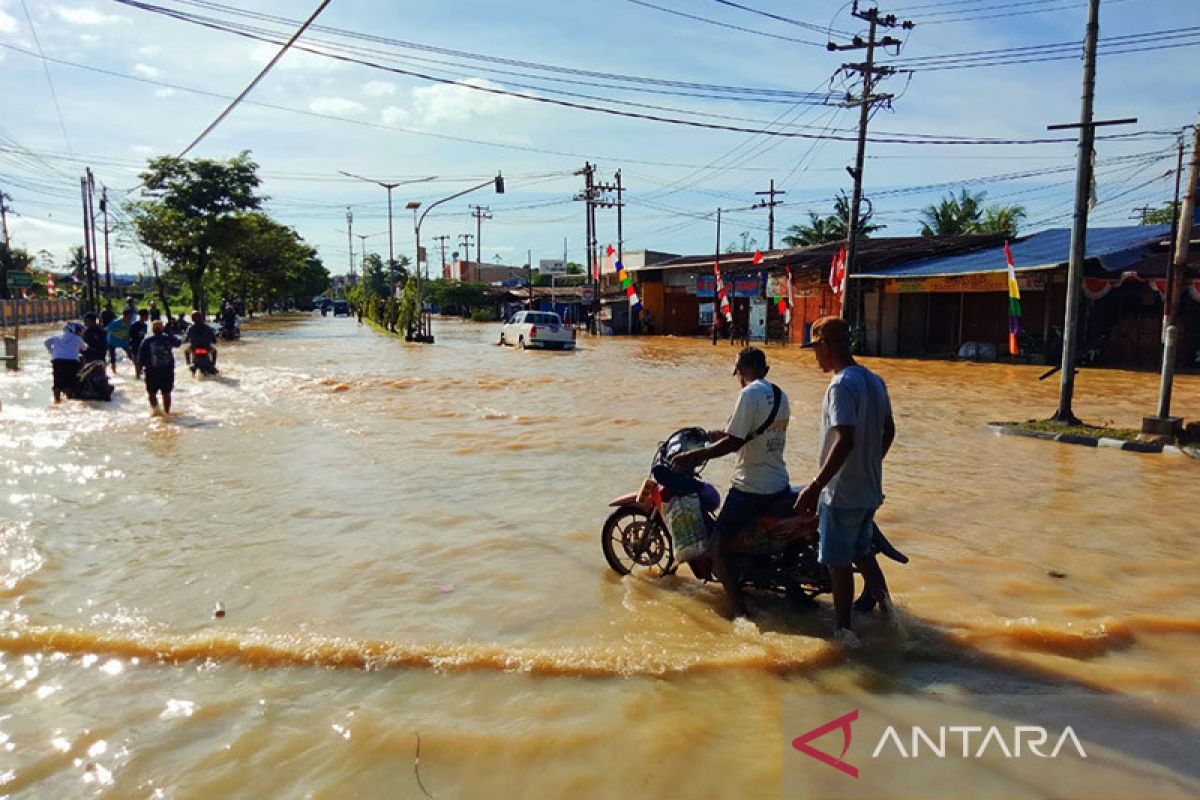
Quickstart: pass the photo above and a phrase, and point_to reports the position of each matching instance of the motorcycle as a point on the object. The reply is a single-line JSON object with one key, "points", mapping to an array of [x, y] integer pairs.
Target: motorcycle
{"points": [[202, 361], [230, 331], [773, 553], [91, 383]]}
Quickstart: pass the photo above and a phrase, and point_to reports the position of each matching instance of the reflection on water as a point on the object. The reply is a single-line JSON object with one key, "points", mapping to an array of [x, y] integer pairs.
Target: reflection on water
{"points": [[406, 538]]}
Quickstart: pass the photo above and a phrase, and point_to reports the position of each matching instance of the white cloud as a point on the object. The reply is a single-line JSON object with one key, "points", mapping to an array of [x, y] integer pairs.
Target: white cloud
{"points": [[165, 92], [395, 115], [90, 38], [8, 23], [455, 102], [149, 50], [142, 149], [85, 16], [337, 106], [379, 89], [145, 70]]}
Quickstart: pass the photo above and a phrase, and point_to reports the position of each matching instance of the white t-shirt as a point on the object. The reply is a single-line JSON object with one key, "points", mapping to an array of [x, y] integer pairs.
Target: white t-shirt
{"points": [[858, 397], [759, 468]]}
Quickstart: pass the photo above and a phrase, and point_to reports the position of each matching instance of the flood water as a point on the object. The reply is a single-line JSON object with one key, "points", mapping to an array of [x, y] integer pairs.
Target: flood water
{"points": [[406, 542]]}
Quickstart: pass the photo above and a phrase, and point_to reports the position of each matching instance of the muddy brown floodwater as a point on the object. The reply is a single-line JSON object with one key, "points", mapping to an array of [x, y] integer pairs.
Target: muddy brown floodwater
{"points": [[405, 540]]}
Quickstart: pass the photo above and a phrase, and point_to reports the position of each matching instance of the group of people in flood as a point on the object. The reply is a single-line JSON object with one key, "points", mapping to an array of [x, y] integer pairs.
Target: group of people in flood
{"points": [[78, 356], [857, 430]]}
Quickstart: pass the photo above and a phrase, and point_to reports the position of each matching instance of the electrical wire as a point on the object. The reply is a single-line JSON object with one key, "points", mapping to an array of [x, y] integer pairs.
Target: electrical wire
{"points": [[257, 78], [49, 81], [727, 25], [780, 18]]}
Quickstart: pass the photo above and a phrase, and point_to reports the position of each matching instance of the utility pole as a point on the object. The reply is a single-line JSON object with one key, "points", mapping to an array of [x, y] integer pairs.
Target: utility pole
{"points": [[480, 213], [89, 300], [588, 196], [107, 263], [1163, 424], [1142, 214], [770, 204], [91, 199], [4, 198], [362, 253], [1083, 182], [350, 239], [871, 75], [442, 241], [464, 241], [601, 199]]}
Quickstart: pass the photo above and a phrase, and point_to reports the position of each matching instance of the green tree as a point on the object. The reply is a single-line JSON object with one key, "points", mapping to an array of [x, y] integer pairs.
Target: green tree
{"points": [[574, 269], [16, 260], [193, 210], [374, 279], [965, 214], [408, 312], [265, 260], [830, 228], [1161, 216], [745, 244]]}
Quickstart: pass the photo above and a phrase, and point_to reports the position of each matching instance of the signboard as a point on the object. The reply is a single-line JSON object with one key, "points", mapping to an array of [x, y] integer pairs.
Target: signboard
{"points": [[777, 285], [735, 285], [552, 266], [19, 280], [587, 295], [977, 282]]}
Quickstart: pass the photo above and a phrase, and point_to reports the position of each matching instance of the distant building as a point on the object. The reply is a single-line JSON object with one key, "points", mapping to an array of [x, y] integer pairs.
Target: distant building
{"points": [[476, 272]]}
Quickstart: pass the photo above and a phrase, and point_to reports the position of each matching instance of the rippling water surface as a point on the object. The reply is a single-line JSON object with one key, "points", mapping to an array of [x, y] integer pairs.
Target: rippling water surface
{"points": [[405, 540]]}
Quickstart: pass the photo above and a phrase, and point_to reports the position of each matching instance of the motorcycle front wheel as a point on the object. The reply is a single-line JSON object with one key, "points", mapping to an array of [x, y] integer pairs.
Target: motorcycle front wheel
{"points": [[632, 537]]}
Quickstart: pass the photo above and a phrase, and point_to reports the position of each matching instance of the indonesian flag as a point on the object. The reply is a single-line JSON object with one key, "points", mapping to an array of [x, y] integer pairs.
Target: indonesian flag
{"points": [[610, 260], [726, 311], [758, 257], [837, 271], [49, 286]]}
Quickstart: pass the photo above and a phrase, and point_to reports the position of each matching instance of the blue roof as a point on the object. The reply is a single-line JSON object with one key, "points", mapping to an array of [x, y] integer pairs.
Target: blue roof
{"points": [[1117, 249]]}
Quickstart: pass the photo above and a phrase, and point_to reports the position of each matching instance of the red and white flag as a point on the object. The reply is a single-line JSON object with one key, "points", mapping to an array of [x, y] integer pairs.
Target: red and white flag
{"points": [[837, 271], [49, 286], [758, 257], [722, 299]]}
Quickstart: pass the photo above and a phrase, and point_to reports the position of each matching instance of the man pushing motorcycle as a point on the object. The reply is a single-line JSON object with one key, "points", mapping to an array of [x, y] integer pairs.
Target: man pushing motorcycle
{"points": [[757, 432], [857, 431]]}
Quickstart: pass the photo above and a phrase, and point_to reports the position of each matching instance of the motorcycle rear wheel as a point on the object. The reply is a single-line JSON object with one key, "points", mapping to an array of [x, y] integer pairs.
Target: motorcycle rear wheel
{"points": [[633, 538]]}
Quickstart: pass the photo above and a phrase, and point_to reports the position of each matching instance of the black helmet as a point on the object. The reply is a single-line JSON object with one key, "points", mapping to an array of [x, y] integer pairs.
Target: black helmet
{"points": [[681, 441]]}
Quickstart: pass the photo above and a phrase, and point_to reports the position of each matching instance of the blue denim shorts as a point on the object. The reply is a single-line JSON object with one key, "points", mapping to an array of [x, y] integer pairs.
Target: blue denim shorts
{"points": [[846, 534]]}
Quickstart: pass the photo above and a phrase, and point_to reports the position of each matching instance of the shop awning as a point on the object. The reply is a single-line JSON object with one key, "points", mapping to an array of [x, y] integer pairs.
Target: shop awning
{"points": [[1116, 249]]}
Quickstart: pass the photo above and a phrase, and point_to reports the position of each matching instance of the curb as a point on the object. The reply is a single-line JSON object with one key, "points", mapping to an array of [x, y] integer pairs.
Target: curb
{"points": [[1091, 441]]}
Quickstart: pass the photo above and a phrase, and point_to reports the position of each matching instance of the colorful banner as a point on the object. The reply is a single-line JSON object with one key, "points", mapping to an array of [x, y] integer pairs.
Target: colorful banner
{"points": [[975, 282], [1014, 303], [627, 285]]}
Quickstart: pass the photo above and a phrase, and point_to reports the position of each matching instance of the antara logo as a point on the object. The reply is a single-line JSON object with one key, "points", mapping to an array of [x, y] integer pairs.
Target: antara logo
{"points": [[843, 722], [938, 742]]}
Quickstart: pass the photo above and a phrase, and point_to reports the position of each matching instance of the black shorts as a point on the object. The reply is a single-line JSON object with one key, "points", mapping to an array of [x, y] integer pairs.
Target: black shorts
{"points": [[65, 370], [160, 379]]}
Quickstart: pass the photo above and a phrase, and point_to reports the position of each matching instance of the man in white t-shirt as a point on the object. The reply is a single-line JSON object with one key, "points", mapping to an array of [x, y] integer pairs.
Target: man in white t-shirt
{"points": [[757, 432], [857, 430]]}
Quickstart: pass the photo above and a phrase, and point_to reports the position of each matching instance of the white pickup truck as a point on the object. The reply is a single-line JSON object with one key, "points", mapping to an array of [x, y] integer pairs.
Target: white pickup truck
{"points": [[537, 329]]}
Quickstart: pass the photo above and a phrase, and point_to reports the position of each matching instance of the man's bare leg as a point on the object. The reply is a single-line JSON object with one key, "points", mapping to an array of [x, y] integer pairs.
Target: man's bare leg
{"points": [[842, 580], [876, 584]]}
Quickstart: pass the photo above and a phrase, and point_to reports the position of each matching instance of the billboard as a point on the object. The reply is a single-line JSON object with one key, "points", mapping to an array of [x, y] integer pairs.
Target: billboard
{"points": [[552, 266]]}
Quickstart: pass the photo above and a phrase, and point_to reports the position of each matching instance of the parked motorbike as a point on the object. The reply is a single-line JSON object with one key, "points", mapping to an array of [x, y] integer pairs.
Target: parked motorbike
{"points": [[775, 553], [202, 361]]}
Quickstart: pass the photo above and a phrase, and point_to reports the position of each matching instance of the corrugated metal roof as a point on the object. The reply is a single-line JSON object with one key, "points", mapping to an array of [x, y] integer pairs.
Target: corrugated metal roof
{"points": [[1116, 249]]}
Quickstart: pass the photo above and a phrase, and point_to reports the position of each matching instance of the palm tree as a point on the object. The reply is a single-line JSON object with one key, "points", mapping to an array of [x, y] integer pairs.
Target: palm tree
{"points": [[832, 228], [954, 215], [965, 214], [1002, 219]]}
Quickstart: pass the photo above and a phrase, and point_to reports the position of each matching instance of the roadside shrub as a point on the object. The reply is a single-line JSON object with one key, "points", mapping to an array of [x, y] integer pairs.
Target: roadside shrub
{"points": [[485, 314]]}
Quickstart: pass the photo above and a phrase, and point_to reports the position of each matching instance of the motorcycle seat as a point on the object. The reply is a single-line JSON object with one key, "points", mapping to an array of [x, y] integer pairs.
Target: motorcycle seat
{"points": [[774, 534]]}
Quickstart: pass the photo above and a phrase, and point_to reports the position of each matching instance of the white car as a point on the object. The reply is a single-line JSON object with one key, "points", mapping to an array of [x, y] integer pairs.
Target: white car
{"points": [[537, 329]]}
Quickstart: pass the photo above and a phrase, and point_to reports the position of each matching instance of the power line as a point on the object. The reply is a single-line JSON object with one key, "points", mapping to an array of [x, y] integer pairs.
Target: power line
{"points": [[708, 21], [780, 18], [262, 74], [49, 81]]}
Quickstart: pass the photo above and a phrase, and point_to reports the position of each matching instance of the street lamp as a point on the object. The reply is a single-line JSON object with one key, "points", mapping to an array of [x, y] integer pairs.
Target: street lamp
{"points": [[389, 185], [425, 334]]}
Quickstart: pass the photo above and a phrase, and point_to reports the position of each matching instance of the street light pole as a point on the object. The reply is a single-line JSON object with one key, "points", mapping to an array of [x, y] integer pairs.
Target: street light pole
{"points": [[498, 182], [389, 186]]}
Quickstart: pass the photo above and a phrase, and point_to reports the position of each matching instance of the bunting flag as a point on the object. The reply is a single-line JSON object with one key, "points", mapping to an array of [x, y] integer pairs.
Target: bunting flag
{"points": [[49, 286], [627, 284], [1014, 303], [758, 257], [722, 299], [837, 271]]}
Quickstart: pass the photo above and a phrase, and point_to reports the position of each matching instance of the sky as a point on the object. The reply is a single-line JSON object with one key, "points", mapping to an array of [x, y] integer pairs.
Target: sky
{"points": [[120, 84]]}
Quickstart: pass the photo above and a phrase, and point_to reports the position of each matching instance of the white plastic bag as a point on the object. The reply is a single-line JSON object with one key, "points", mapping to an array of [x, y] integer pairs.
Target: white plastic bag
{"points": [[685, 522]]}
